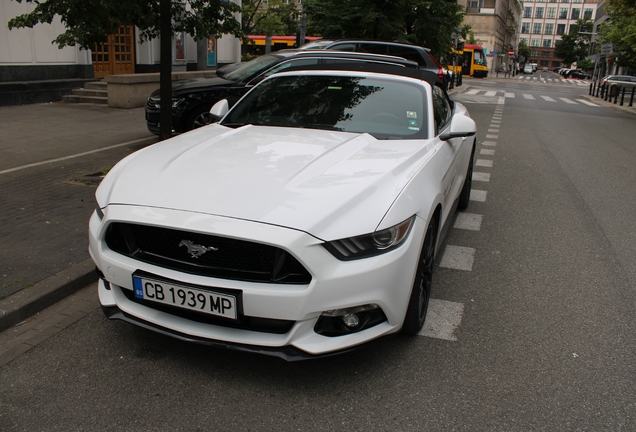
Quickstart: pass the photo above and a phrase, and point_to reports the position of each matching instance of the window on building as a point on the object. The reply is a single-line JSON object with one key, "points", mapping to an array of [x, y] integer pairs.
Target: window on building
{"points": [[534, 53], [545, 53], [525, 27], [576, 13], [544, 63], [588, 14], [549, 28], [527, 12], [535, 43], [560, 29], [554, 1], [536, 28], [563, 13], [556, 63], [525, 40], [551, 13], [547, 43], [538, 12], [577, 1], [565, 1], [539, 1]]}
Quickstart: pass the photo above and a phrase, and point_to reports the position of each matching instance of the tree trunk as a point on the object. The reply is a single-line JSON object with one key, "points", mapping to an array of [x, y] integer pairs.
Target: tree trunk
{"points": [[165, 70]]}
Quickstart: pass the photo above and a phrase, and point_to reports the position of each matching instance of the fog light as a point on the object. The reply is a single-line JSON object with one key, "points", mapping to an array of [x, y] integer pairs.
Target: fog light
{"points": [[351, 320], [339, 322]]}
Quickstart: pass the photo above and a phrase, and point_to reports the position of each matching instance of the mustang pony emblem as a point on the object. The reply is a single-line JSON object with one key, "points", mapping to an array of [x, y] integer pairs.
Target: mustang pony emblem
{"points": [[196, 250]]}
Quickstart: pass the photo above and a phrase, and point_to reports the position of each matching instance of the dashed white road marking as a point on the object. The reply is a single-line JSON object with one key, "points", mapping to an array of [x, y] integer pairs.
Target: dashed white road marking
{"points": [[492, 136], [442, 319], [472, 92], [480, 176], [484, 163], [487, 152], [510, 95], [458, 258], [583, 101], [566, 100], [478, 195], [468, 221], [490, 93], [494, 130], [529, 97], [489, 143], [548, 98]]}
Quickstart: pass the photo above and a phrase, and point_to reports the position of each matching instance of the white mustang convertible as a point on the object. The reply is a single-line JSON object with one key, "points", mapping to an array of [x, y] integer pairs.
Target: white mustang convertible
{"points": [[302, 224]]}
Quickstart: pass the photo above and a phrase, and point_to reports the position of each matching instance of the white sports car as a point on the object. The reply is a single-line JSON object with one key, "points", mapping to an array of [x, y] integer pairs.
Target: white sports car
{"points": [[304, 223]]}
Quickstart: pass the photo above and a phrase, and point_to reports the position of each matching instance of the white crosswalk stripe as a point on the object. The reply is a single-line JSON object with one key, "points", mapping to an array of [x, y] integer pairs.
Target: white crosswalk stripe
{"points": [[587, 102], [548, 98], [528, 96], [566, 100]]}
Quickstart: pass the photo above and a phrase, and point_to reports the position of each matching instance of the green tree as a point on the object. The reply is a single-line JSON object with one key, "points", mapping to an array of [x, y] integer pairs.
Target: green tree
{"points": [[89, 22], [524, 50], [620, 30], [427, 23], [575, 45]]}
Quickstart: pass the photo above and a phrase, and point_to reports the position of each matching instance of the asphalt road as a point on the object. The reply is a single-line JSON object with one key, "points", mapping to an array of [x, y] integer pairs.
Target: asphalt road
{"points": [[545, 340]]}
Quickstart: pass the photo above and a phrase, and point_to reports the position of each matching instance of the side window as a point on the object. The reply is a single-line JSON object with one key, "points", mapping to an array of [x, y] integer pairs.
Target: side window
{"points": [[283, 66], [344, 47], [441, 110], [407, 53], [372, 48]]}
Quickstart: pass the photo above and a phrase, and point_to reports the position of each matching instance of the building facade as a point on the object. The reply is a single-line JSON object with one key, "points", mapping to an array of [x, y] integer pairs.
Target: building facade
{"points": [[32, 69], [495, 24], [544, 22]]}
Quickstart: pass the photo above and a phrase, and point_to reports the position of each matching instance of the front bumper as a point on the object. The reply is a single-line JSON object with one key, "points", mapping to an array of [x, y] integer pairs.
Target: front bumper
{"points": [[385, 280]]}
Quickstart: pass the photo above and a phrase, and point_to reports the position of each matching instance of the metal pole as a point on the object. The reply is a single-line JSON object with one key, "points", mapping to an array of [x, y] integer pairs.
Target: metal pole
{"points": [[631, 100]]}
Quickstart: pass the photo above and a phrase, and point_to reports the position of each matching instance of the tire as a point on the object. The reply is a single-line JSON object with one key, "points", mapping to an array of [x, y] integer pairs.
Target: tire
{"points": [[199, 117], [464, 196], [421, 291]]}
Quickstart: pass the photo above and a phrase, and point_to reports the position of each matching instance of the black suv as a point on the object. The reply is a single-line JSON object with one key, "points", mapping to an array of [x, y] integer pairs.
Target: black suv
{"points": [[422, 56], [192, 99]]}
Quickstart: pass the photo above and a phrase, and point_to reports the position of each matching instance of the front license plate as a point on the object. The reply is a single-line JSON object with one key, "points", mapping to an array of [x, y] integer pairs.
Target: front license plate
{"points": [[185, 297]]}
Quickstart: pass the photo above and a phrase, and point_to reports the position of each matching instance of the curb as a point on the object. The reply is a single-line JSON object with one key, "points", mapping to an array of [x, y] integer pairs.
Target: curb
{"points": [[28, 302]]}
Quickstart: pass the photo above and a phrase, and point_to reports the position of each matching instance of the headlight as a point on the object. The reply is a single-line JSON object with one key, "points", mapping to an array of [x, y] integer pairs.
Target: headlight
{"points": [[368, 245]]}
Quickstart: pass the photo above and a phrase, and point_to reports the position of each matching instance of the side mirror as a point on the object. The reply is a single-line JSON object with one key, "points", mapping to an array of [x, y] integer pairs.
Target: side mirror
{"points": [[220, 108], [461, 126]]}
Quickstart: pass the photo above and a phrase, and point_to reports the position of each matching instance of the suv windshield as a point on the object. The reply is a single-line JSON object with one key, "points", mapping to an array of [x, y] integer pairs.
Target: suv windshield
{"points": [[252, 67], [384, 108]]}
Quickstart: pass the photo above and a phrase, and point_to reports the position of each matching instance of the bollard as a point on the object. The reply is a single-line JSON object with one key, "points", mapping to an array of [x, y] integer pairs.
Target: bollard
{"points": [[598, 90], [631, 100], [622, 96], [591, 91], [606, 91], [615, 93]]}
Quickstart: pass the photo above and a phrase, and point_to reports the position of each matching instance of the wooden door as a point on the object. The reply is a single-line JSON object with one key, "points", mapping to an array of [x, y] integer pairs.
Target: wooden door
{"points": [[116, 55]]}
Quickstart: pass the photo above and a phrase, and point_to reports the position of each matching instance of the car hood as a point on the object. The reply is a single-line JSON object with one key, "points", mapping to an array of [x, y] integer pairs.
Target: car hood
{"points": [[328, 184], [188, 85]]}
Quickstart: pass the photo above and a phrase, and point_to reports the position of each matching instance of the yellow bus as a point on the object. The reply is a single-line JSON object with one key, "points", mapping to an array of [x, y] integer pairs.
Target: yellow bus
{"points": [[473, 61]]}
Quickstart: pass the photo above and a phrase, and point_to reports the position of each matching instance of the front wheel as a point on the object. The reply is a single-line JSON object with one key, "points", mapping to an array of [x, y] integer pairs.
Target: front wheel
{"points": [[421, 291], [199, 117]]}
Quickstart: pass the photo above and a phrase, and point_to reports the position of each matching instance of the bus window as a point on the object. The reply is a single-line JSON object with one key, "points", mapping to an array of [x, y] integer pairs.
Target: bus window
{"points": [[479, 58]]}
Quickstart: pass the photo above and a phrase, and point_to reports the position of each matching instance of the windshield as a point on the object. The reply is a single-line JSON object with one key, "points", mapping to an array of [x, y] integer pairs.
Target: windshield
{"points": [[385, 108], [252, 67]]}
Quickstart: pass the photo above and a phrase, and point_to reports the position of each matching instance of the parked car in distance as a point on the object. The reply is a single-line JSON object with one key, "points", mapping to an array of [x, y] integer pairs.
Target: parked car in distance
{"points": [[545, 69], [575, 73], [422, 56], [527, 69], [304, 223], [193, 98]]}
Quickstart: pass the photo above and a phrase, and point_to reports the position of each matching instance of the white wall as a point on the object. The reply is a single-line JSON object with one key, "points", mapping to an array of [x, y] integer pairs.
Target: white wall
{"points": [[27, 46]]}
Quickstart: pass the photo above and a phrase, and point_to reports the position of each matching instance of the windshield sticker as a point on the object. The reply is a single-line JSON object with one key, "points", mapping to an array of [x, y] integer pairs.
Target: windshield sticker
{"points": [[411, 114], [414, 128], [413, 122]]}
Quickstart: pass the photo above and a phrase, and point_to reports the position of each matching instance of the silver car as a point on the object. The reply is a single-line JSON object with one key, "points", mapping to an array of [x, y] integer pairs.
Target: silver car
{"points": [[619, 81]]}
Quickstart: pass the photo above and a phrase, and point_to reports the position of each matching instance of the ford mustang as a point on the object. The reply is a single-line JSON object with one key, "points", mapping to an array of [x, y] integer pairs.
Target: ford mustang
{"points": [[304, 223]]}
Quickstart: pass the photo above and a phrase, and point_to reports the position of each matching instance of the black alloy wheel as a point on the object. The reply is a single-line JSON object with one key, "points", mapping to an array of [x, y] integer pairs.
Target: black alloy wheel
{"points": [[421, 292], [464, 196], [200, 117]]}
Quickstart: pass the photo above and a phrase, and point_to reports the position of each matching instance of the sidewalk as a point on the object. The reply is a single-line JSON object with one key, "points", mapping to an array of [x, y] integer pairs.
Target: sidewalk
{"points": [[51, 157]]}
